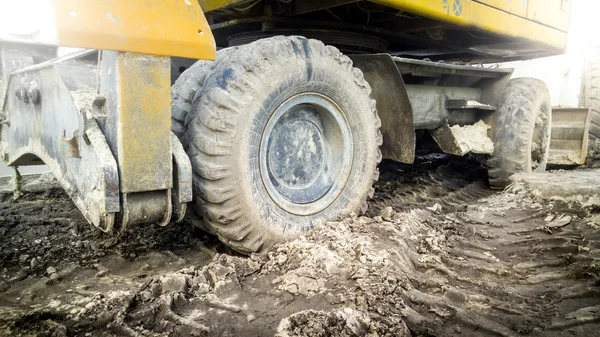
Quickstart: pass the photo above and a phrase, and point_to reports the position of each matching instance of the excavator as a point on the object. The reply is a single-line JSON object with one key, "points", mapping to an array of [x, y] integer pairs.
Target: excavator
{"points": [[257, 120]]}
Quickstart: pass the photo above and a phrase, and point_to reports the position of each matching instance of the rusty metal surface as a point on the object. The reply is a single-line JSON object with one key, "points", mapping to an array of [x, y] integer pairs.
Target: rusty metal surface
{"points": [[393, 105], [569, 136]]}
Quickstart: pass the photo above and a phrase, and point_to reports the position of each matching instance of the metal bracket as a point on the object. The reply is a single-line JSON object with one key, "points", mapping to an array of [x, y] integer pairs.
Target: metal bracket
{"points": [[125, 167], [37, 132], [182, 178]]}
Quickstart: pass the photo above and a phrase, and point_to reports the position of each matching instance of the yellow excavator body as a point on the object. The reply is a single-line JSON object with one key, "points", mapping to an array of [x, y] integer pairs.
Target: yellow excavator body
{"points": [[157, 27]]}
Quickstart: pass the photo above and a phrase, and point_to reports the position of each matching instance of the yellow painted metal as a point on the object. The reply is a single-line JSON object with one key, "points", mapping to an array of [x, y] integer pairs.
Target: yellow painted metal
{"points": [[481, 16], [503, 17], [211, 5], [158, 27], [144, 105], [554, 13], [517, 7], [142, 119]]}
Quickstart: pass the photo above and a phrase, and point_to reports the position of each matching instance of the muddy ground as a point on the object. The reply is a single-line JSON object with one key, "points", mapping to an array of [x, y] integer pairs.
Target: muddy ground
{"points": [[438, 254]]}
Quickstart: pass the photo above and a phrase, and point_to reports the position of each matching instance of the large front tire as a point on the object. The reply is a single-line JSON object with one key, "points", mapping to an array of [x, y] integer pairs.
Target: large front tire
{"points": [[284, 137], [187, 88]]}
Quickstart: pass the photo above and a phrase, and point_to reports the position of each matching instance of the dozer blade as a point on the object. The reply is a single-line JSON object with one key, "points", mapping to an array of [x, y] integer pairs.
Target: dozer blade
{"points": [[569, 142]]}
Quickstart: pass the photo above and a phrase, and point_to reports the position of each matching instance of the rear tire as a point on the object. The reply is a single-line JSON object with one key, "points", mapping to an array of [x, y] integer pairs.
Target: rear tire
{"points": [[523, 131], [284, 137]]}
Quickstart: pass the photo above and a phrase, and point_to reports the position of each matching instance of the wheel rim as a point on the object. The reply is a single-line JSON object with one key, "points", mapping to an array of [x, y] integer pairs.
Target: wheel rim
{"points": [[539, 143], [306, 153]]}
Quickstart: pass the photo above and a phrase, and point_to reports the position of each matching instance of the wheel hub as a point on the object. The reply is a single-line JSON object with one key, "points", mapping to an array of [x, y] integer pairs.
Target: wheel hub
{"points": [[306, 153]]}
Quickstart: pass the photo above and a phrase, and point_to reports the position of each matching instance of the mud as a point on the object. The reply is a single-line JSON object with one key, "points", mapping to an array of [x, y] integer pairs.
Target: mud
{"points": [[438, 254], [593, 158]]}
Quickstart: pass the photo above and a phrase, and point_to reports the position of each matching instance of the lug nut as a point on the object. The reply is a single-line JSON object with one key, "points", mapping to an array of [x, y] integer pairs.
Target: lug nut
{"points": [[33, 93]]}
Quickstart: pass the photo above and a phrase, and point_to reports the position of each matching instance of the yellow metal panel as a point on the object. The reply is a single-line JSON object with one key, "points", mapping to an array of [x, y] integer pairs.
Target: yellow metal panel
{"points": [[516, 7], [475, 14], [158, 27], [554, 13], [144, 108]]}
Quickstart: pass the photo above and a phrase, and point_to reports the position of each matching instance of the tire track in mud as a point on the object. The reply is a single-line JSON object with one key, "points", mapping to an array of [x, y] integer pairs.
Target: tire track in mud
{"points": [[511, 267], [450, 182], [518, 268]]}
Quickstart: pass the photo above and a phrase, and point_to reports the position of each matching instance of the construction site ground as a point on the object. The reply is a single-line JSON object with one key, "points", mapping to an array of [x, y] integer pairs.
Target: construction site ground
{"points": [[437, 254]]}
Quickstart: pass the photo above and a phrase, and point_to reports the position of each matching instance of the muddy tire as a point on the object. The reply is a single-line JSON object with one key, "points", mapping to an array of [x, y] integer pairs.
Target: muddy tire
{"points": [[187, 88], [590, 96], [284, 137], [523, 131]]}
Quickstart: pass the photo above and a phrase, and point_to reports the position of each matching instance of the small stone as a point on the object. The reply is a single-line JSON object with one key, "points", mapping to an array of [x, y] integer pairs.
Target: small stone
{"points": [[387, 213], [23, 258], [331, 298], [54, 278], [102, 273], [549, 218], [250, 318], [435, 208], [3, 286], [34, 263], [51, 270], [360, 273], [291, 288], [203, 288], [281, 259], [174, 284]]}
